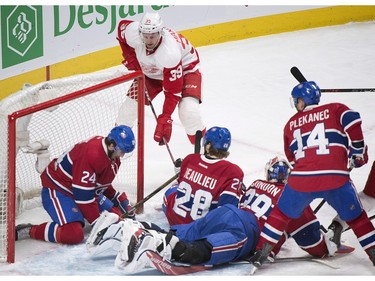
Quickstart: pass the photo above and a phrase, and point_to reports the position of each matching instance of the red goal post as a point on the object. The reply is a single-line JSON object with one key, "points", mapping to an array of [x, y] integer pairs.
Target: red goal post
{"points": [[72, 109]]}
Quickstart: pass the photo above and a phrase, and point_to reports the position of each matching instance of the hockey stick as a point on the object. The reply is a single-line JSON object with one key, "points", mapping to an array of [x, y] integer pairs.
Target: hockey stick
{"points": [[198, 137], [297, 74], [156, 118], [357, 90], [197, 145], [319, 206], [148, 197], [300, 78]]}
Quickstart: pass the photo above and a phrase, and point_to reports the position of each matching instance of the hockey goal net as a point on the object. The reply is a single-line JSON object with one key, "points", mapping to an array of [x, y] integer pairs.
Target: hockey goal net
{"points": [[40, 122]]}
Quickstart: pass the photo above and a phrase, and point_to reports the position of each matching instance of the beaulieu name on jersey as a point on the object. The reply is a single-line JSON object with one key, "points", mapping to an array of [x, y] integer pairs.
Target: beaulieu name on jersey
{"points": [[200, 179]]}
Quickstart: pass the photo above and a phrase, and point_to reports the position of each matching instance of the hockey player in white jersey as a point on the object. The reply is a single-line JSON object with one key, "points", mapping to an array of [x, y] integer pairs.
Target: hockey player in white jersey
{"points": [[171, 65]]}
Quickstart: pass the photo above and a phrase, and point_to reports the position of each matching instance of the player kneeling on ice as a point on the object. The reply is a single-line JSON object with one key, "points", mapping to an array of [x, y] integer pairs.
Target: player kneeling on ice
{"points": [[77, 186], [205, 182]]}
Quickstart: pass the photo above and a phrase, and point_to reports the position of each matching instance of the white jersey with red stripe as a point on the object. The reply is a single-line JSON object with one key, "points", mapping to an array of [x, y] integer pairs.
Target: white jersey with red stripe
{"points": [[173, 57]]}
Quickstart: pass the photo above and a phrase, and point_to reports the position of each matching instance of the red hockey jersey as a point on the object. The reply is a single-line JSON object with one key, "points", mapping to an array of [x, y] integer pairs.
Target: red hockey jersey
{"points": [[82, 173], [203, 185], [261, 197], [316, 143]]}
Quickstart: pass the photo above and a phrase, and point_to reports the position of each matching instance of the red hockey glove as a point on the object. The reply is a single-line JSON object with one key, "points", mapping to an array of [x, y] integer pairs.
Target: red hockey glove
{"points": [[163, 129], [358, 157]]}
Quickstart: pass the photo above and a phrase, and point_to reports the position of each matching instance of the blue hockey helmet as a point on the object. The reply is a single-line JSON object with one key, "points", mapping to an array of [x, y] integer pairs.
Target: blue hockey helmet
{"points": [[123, 137], [308, 91], [277, 170], [219, 137]]}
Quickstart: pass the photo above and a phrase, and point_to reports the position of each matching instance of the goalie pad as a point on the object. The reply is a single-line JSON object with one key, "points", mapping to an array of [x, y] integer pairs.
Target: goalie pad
{"points": [[104, 221], [136, 241], [110, 242]]}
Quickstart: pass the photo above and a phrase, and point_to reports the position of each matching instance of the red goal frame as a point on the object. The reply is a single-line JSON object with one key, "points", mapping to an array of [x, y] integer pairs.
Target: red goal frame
{"points": [[13, 117]]}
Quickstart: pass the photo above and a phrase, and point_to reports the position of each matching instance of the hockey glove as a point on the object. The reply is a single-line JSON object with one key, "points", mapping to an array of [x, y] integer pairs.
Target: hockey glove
{"points": [[177, 165], [120, 200], [163, 129], [104, 203], [358, 157], [107, 205]]}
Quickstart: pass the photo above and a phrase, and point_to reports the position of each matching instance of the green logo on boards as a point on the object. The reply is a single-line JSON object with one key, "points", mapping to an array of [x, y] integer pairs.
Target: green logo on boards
{"points": [[21, 34]]}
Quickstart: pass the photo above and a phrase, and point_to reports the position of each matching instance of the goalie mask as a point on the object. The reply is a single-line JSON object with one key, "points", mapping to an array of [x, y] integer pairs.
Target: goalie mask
{"points": [[308, 91], [150, 30], [123, 137], [219, 137], [277, 170]]}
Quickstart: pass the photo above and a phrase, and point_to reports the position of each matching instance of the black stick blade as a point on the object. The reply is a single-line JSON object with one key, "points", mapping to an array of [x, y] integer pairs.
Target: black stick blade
{"points": [[297, 74]]}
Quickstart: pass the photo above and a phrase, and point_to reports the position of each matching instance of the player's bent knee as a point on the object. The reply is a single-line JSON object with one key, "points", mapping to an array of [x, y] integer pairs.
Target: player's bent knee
{"points": [[71, 233]]}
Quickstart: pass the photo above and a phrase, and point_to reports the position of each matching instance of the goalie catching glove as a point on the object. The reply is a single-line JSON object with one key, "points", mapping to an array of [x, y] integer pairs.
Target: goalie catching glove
{"points": [[120, 200]]}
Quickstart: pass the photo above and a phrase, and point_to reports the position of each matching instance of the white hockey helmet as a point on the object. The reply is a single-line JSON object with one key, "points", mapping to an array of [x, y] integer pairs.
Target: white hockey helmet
{"points": [[151, 23], [277, 170]]}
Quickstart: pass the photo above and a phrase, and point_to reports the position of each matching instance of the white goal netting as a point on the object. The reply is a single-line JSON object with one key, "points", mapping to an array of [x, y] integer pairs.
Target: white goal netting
{"points": [[45, 134]]}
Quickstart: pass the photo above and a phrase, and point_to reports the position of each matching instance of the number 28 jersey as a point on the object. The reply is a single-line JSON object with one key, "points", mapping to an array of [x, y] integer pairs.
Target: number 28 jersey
{"points": [[203, 184]]}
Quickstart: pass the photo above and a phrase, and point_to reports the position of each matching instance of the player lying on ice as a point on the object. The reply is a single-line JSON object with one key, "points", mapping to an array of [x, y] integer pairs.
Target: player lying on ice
{"points": [[224, 235]]}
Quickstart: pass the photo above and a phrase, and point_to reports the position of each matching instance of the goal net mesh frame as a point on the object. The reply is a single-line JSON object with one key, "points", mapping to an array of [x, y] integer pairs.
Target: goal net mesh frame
{"points": [[110, 86]]}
